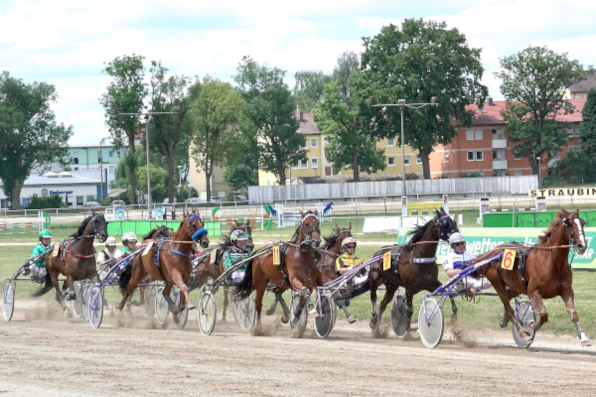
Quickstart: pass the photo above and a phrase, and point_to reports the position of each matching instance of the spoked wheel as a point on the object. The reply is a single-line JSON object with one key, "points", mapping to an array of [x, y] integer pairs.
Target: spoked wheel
{"points": [[430, 323], [8, 300], [95, 306], [524, 314], [77, 304], [399, 316], [326, 320], [245, 313], [150, 296], [182, 316], [85, 288], [300, 322], [161, 306], [206, 312]]}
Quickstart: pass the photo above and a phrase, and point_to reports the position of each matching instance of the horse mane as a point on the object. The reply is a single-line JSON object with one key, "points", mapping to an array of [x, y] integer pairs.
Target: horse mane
{"points": [[79, 232], [294, 239], [225, 242], [330, 240], [148, 236], [551, 229]]}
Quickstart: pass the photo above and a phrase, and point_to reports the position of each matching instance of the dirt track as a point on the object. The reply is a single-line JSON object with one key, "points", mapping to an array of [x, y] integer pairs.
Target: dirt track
{"points": [[41, 356]]}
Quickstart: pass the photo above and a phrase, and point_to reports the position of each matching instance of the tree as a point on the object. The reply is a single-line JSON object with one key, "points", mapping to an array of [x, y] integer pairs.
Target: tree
{"points": [[270, 116], [125, 94], [159, 182], [351, 139], [534, 82], [242, 165], [587, 130], [421, 60], [170, 133], [30, 138], [216, 112]]}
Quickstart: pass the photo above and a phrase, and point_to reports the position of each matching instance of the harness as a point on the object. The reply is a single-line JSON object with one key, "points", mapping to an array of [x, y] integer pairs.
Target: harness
{"points": [[66, 251], [157, 251], [522, 256]]}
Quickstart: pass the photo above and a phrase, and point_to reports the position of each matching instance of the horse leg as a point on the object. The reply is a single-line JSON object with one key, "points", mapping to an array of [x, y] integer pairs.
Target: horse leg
{"points": [[305, 294], [70, 295], [342, 305], [137, 274], [567, 295], [168, 298], [538, 304], [225, 304], [260, 283], [505, 296], [285, 317], [184, 297], [271, 310], [54, 277]]}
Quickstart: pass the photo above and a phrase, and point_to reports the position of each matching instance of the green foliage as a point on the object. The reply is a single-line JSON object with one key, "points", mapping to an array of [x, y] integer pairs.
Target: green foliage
{"points": [[576, 167], [125, 93], [534, 81], [38, 203], [242, 165], [270, 115], [29, 135], [587, 131], [421, 60], [350, 137], [474, 174], [159, 182]]}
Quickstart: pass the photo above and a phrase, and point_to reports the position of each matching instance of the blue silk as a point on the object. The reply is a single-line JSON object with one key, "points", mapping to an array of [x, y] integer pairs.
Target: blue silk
{"points": [[199, 233]]}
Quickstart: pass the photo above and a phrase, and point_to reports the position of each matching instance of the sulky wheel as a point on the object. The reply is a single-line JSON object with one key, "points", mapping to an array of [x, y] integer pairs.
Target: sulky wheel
{"points": [[300, 322], [206, 312], [245, 313], [182, 317], [85, 288], [77, 304], [326, 320], [430, 323], [161, 306], [8, 300], [399, 316], [95, 306], [150, 295], [524, 314]]}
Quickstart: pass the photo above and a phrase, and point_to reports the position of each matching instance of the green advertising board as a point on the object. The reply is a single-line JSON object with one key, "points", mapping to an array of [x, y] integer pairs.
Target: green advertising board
{"points": [[480, 240], [140, 228]]}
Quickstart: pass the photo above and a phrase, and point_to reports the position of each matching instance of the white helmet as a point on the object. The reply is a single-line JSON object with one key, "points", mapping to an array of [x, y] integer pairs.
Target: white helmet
{"points": [[111, 241], [456, 238]]}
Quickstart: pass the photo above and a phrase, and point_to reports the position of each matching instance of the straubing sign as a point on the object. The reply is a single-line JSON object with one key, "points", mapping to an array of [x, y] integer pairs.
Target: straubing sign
{"points": [[583, 191], [480, 240]]}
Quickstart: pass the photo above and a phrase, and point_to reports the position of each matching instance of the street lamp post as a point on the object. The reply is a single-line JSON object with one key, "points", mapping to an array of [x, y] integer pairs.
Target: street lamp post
{"points": [[101, 170], [147, 115], [401, 103]]}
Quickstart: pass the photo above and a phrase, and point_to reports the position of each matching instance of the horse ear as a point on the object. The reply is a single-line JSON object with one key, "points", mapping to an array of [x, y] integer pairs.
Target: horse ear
{"points": [[564, 212], [577, 211], [336, 227], [237, 223], [92, 212], [350, 226], [438, 213], [302, 213]]}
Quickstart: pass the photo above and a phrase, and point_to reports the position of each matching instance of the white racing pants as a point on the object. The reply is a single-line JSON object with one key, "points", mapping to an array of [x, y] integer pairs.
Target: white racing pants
{"points": [[39, 272], [478, 284]]}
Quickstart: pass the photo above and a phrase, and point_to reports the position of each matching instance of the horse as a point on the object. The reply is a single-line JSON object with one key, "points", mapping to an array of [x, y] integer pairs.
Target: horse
{"points": [[158, 232], [204, 268], [76, 260], [547, 272], [413, 266], [170, 264], [296, 270]]}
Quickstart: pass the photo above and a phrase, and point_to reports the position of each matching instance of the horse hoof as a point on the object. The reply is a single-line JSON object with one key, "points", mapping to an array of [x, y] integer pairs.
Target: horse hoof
{"points": [[174, 311], [586, 343], [118, 306], [351, 320], [503, 323], [534, 325], [313, 313], [191, 306], [285, 318], [269, 312], [453, 319], [67, 313], [373, 321]]}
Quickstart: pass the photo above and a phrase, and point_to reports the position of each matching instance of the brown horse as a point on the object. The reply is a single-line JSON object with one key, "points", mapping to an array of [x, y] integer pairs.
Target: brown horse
{"points": [[413, 266], [547, 272], [76, 259], [205, 269], [173, 264], [296, 270]]}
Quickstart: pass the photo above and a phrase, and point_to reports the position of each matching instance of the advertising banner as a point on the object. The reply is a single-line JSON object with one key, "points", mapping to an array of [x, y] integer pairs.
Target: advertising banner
{"points": [[480, 240]]}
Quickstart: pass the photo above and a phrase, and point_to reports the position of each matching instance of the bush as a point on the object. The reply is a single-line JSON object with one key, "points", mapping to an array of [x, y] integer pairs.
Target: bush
{"points": [[38, 203]]}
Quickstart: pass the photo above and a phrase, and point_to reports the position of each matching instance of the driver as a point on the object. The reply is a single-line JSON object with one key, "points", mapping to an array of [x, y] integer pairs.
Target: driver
{"points": [[38, 269], [236, 253], [129, 240], [348, 260], [106, 258], [458, 257]]}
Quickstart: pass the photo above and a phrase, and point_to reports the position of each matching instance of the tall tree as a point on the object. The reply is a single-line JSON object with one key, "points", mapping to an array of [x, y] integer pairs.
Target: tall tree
{"points": [[125, 94], [421, 60], [534, 82], [216, 112], [351, 137], [242, 165], [170, 133], [587, 130], [30, 138], [270, 116]]}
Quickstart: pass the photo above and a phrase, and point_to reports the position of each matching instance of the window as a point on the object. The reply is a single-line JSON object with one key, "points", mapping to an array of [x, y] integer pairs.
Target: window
{"points": [[75, 157], [517, 156], [90, 198], [80, 200], [469, 135], [577, 131], [390, 141], [111, 154], [478, 135], [391, 161], [582, 96], [470, 156], [305, 145], [313, 142], [479, 156], [418, 160], [325, 139], [112, 170], [76, 168], [407, 160], [315, 163], [517, 173], [446, 157], [499, 133], [296, 166], [570, 132], [304, 164]]}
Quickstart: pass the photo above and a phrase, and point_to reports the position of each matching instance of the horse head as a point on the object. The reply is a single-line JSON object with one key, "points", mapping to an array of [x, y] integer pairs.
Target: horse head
{"points": [[327, 270], [574, 226], [447, 226], [309, 226], [99, 227], [247, 229], [197, 228]]}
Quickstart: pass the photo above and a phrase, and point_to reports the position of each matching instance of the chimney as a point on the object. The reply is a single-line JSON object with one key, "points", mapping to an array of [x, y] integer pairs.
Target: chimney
{"points": [[301, 116], [489, 100]]}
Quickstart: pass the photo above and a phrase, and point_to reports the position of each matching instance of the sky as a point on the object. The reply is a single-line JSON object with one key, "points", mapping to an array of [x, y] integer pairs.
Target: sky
{"points": [[66, 43]]}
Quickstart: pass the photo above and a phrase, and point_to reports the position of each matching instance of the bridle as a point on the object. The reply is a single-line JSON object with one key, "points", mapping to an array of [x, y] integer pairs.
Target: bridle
{"points": [[202, 231], [339, 240], [94, 231], [572, 236], [438, 221], [308, 242]]}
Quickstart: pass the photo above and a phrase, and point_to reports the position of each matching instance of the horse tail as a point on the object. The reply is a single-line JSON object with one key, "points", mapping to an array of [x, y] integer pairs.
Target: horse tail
{"points": [[244, 289], [125, 277], [46, 288]]}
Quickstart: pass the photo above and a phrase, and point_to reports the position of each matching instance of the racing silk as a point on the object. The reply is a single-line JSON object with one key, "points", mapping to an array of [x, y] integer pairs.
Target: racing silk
{"points": [[105, 255], [122, 252], [235, 255], [453, 260], [39, 249], [346, 260]]}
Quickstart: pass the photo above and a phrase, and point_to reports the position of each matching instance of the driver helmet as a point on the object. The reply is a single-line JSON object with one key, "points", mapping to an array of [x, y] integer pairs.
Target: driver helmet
{"points": [[238, 235], [45, 233], [456, 237], [348, 240], [129, 236], [111, 242]]}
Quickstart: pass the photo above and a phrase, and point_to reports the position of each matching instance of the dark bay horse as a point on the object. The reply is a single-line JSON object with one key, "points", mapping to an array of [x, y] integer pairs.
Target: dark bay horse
{"points": [[413, 266], [158, 232], [172, 266], [547, 272], [76, 259], [297, 269]]}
